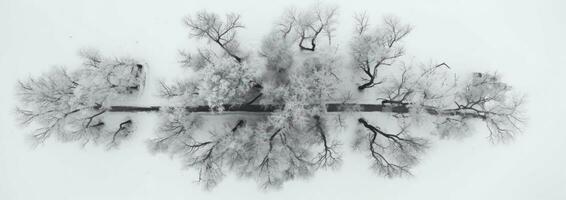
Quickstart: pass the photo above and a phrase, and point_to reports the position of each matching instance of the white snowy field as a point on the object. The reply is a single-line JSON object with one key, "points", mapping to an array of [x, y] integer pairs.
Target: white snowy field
{"points": [[522, 40]]}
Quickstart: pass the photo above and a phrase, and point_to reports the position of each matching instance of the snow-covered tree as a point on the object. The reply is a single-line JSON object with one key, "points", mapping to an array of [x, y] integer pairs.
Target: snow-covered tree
{"points": [[72, 106], [288, 98]]}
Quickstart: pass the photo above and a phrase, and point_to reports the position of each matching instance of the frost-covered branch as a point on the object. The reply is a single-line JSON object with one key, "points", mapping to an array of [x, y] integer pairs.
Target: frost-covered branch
{"points": [[73, 105], [486, 96]]}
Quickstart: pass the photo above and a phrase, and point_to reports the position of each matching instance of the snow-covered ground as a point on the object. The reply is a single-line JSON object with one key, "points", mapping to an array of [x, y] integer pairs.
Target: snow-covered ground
{"points": [[521, 40]]}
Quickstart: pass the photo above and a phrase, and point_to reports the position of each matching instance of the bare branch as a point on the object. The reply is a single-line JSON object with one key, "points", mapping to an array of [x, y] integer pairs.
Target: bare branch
{"points": [[328, 157], [124, 129], [371, 51], [210, 26], [309, 24], [362, 23], [403, 150]]}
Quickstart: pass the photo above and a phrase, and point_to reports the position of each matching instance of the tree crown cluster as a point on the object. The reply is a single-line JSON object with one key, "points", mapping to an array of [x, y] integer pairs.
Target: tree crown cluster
{"points": [[291, 98]]}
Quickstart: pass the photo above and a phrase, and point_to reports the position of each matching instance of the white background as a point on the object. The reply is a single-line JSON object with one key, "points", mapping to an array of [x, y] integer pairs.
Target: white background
{"points": [[523, 40]]}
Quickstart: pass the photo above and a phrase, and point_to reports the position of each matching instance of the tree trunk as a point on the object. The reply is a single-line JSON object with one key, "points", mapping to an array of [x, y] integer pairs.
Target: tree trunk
{"points": [[366, 85]]}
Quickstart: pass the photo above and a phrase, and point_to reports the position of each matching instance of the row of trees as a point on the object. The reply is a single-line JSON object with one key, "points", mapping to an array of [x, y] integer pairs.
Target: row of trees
{"points": [[287, 115]]}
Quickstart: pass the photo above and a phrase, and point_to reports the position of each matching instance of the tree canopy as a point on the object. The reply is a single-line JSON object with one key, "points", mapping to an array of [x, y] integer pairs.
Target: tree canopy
{"points": [[289, 96]]}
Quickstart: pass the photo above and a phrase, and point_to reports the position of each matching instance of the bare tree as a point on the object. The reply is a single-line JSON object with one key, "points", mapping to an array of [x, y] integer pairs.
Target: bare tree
{"points": [[210, 26], [282, 121], [391, 154], [372, 50]]}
